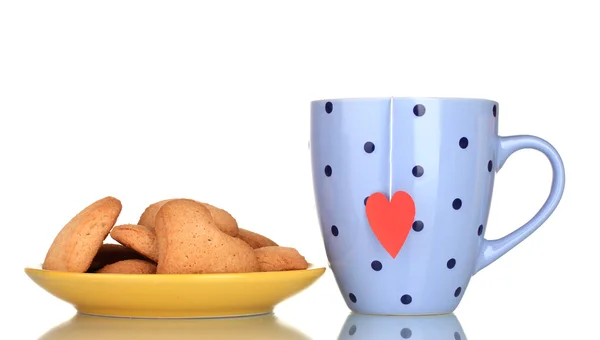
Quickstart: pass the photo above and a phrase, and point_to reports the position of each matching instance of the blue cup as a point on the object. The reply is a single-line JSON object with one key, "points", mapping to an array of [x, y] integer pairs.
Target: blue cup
{"points": [[403, 189]]}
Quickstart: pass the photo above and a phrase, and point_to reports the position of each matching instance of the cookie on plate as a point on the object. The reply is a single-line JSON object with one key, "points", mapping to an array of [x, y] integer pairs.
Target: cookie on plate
{"points": [[110, 253], [255, 240], [223, 220], [189, 242], [274, 258], [149, 214], [129, 267], [79, 240], [140, 238]]}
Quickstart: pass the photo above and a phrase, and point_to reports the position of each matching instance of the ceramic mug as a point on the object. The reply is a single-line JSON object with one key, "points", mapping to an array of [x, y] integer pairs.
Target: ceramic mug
{"points": [[403, 188]]}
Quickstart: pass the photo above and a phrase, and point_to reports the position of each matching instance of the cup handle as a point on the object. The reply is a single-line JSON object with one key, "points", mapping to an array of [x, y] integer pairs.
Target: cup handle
{"points": [[491, 250]]}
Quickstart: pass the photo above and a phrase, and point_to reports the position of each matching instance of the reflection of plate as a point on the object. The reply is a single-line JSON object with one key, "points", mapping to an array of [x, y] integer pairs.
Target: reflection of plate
{"points": [[175, 295], [435, 327], [99, 328]]}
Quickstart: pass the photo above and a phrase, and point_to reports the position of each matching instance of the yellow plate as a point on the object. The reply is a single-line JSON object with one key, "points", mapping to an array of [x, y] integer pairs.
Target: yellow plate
{"points": [[175, 295]]}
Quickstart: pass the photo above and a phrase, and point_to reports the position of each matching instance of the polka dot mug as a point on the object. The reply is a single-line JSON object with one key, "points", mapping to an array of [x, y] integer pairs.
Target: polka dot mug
{"points": [[403, 189]]}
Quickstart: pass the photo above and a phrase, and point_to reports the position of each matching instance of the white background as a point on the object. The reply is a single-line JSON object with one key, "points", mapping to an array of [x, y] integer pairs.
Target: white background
{"points": [[146, 100]]}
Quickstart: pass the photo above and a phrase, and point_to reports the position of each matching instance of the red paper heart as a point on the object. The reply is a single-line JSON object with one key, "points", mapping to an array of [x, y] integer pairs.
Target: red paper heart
{"points": [[391, 220]]}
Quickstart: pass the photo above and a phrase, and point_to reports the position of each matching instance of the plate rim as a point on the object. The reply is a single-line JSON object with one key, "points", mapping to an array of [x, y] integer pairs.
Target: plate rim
{"points": [[38, 271]]}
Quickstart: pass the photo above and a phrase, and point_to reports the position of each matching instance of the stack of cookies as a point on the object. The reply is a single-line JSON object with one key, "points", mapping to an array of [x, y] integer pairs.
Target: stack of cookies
{"points": [[174, 236]]}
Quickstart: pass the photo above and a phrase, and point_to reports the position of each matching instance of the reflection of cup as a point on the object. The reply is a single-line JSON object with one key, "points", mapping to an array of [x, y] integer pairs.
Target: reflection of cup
{"points": [[101, 328], [436, 159], [434, 327]]}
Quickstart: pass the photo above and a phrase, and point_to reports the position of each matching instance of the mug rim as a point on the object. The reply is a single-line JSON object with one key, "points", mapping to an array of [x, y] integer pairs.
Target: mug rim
{"points": [[416, 98]]}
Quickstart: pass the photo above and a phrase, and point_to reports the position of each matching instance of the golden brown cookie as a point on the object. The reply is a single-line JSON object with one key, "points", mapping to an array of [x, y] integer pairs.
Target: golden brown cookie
{"points": [[223, 219], [137, 237], [255, 240], [149, 214], [79, 240], [110, 253], [273, 258], [189, 242], [129, 267]]}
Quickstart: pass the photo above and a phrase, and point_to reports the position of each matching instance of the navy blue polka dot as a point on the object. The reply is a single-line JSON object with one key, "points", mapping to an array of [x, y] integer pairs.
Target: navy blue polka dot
{"points": [[457, 336], [490, 166], [328, 171], [406, 299], [369, 147], [480, 230], [352, 330], [418, 226], [494, 110], [352, 297], [419, 110], [418, 171], [334, 230], [366, 198], [376, 265], [463, 143], [457, 292], [328, 107], [405, 333], [451, 263], [456, 204]]}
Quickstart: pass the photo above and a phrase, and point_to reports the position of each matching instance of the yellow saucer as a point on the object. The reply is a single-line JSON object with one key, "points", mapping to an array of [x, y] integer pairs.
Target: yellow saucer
{"points": [[175, 295]]}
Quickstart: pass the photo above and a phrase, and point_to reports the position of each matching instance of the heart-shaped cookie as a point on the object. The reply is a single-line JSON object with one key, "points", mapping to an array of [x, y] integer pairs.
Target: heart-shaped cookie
{"points": [[391, 220], [189, 242]]}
